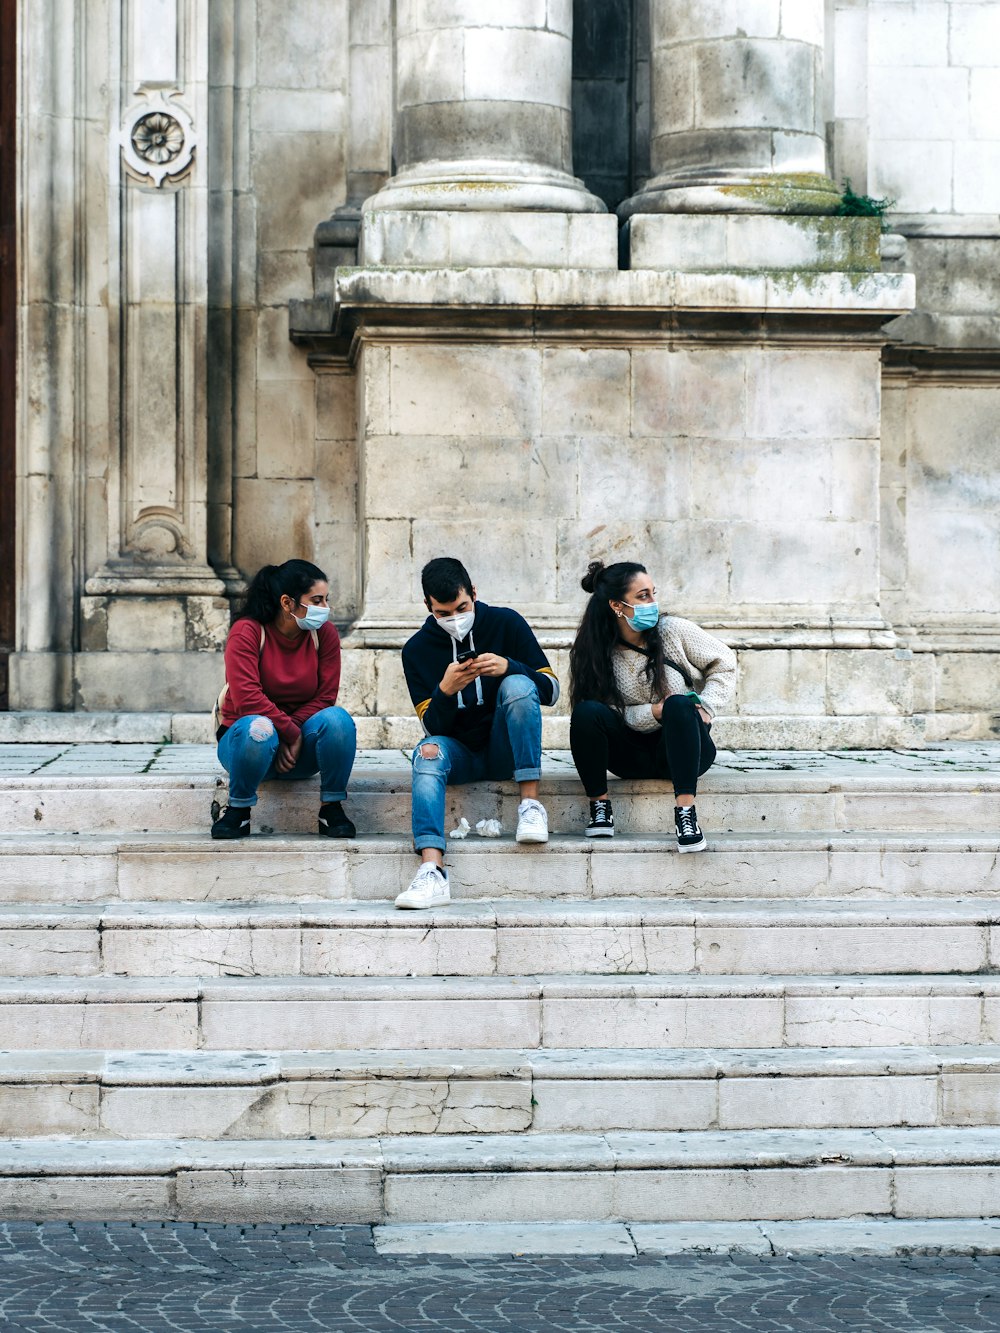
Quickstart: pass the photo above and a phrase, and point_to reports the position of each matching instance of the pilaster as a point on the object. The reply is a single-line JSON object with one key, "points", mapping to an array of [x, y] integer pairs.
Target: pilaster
{"points": [[158, 275]]}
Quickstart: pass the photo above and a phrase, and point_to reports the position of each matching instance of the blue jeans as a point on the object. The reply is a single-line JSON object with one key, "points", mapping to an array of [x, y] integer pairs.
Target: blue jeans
{"points": [[514, 750], [248, 749]]}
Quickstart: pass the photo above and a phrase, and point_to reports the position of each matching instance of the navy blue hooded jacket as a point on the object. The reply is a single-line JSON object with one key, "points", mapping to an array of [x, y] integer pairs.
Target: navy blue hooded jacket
{"points": [[468, 716]]}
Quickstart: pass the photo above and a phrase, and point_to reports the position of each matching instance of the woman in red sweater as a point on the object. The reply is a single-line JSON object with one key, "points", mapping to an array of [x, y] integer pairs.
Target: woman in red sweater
{"points": [[278, 710]]}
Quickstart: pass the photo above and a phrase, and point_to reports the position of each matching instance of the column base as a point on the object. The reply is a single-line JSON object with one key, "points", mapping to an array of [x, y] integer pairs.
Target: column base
{"points": [[735, 192], [485, 185], [457, 239]]}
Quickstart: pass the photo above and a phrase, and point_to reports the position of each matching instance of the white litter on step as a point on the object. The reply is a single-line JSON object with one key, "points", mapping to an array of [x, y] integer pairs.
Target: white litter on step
{"points": [[463, 830], [488, 828]]}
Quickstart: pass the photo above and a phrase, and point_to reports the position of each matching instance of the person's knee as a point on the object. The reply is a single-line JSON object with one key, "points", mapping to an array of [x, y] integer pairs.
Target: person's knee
{"points": [[336, 719], [515, 688], [675, 704], [261, 730], [428, 757]]}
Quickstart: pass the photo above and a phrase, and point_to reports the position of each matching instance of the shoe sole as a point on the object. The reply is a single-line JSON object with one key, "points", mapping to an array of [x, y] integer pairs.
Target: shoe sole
{"points": [[531, 837], [422, 907], [231, 837], [600, 832], [693, 847], [330, 833]]}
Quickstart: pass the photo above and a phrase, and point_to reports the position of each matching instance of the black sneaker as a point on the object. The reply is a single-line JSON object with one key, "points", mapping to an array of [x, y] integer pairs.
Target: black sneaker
{"points": [[689, 836], [333, 823], [234, 822], [602, 820]]}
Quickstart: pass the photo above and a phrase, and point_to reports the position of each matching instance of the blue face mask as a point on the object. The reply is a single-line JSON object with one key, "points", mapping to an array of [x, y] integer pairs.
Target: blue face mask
{"points": [[646, 616], [314, 618]]}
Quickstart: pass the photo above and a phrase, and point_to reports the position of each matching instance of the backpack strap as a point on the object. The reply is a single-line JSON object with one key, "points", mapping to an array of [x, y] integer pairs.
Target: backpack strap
{"points": [[217, 706]]}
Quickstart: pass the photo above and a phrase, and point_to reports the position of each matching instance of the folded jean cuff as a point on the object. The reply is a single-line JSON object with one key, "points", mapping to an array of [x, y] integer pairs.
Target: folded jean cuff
{"points": [[327, 797], [527, 774], [422, 844]]}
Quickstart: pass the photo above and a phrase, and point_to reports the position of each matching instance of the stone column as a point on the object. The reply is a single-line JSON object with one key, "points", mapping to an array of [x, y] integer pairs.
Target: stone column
{"points": [[483, 108], [737, 109]]}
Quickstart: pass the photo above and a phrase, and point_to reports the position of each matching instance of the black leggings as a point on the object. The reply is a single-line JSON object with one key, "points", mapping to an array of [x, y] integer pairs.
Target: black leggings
{"points": [[681, 748]]}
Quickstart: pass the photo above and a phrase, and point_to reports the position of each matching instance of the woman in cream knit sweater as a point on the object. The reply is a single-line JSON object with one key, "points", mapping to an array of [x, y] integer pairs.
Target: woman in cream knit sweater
{"points": [[645, 688]]}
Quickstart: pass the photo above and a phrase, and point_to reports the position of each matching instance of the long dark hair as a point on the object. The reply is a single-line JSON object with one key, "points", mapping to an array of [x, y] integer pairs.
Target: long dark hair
{"points": [[590, 659], [270, 584]]}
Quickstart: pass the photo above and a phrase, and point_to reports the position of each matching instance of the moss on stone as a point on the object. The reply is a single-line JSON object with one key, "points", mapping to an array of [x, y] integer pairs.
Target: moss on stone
{"points": [[803, 192]]}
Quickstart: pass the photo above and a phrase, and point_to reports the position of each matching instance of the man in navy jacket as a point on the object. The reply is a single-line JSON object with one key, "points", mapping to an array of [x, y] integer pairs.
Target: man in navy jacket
{"points": [[477, 678]]}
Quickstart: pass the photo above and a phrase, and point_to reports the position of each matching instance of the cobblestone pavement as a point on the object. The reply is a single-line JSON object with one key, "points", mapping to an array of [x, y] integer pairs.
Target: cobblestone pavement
{"points": [[172, 1278]]}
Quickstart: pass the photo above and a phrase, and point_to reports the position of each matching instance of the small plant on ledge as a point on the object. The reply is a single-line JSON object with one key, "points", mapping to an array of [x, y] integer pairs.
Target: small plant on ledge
{"points": [[862, 206]]}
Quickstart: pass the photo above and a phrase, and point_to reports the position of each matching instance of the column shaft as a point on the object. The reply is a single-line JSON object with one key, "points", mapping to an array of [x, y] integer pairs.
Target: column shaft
{"points": [[737, 108], [483, 90]]}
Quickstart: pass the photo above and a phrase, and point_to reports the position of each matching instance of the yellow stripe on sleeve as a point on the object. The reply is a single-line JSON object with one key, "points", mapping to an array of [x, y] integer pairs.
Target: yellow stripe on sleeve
{"points": [[422, 708]]}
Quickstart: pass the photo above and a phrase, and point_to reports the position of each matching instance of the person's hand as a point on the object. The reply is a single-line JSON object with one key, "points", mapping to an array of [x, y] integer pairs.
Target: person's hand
{"points": [[658, 712], [288, 755], [490, 664], [458, 675]]}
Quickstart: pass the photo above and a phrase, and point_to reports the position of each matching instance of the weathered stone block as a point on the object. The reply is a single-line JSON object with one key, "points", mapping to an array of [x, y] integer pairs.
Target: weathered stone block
{"points": [[135, 623], [683, 392], [813, 394], [869, 682], [586, 392], [663, 463], [783, 681], [206, 623], [468, 391], [341, 1194], [309, 52]]}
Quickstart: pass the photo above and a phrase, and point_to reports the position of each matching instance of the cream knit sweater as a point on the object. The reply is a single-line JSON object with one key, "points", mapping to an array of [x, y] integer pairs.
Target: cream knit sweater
{"points": [[707, 660]]}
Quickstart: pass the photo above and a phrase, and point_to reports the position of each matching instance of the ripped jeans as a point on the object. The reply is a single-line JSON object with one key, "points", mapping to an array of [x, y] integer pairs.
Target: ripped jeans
{"points": [[247, 752], [514, 750]]}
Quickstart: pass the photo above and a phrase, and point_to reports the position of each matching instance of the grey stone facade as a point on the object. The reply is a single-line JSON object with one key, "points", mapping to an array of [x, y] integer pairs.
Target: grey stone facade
{"points": [[228, 356]]}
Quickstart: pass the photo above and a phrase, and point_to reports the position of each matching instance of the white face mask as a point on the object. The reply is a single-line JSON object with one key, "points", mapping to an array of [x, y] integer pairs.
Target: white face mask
{"points": [[458, 626]]}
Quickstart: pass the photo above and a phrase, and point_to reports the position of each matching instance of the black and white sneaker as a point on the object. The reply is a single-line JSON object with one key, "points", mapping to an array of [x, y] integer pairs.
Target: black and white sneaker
{"points": [[333, 823], [689, 836], [233, 822], [602, 820]]}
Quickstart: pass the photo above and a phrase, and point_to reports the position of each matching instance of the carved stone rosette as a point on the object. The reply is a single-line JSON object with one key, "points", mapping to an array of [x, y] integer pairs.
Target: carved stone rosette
{"points": [[158, 138]]}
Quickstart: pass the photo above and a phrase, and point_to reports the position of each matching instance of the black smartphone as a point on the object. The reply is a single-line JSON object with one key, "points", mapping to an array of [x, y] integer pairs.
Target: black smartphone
{"points": [[467, 656]]}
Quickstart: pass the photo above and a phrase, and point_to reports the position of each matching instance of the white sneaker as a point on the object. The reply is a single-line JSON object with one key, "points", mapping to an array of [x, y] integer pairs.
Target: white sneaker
{"points": [[428, 888], [532, 822]]}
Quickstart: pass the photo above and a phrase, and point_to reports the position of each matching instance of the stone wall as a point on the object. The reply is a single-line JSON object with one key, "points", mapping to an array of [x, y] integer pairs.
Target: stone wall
{"points": [[734, 426]]}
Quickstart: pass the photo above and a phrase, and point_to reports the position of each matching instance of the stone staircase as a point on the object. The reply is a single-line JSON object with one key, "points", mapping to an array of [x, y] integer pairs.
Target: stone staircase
{"points": [[803, 1022]]}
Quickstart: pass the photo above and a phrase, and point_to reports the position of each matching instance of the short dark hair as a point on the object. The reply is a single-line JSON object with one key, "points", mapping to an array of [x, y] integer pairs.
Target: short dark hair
{"points": [[444, 579]]}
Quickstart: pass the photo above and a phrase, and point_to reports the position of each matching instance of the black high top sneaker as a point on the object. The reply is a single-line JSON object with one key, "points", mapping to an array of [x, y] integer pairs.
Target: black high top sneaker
{"points": [[234, 822], [602, 820], [333, 823], [689, 836]]}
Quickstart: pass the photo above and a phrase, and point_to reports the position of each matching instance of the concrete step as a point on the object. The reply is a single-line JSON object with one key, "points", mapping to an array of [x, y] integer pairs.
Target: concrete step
{"points": [[395, 729], [486, 1013], [221, 1095], [710, 1176], [613, 937], [782, 793], [176, 867], [852, 1236]]}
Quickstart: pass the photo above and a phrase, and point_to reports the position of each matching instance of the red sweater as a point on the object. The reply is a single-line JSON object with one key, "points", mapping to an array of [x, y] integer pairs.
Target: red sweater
{"points": [[287, 682]]}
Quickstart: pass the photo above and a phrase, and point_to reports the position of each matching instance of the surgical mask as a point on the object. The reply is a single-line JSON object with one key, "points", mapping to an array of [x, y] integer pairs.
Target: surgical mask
{"points": [[647, 615], [458, 626], [314, 618]]}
